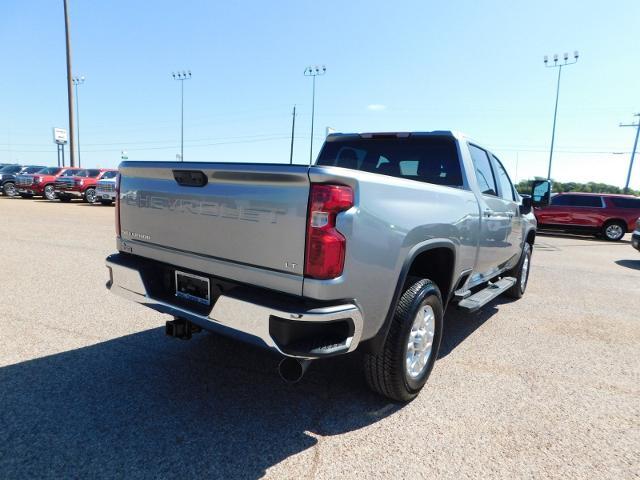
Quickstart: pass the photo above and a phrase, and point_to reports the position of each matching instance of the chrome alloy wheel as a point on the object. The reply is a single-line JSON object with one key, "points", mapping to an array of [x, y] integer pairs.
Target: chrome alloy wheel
{"points": [[50, 192], [90, 195], [420, 342], [524, 275], [614, 231], [10, 189]]}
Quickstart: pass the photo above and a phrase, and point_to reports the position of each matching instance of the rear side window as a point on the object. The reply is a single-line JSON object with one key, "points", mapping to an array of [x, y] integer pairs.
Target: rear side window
{"points": [[431, 159], [106, 175], [93, 173], [484, 172], [506, 187], [622, 202], [577, 200]]}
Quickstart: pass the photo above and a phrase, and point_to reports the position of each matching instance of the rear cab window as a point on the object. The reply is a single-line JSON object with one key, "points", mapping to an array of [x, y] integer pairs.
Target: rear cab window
{"points": [[428, 158]]}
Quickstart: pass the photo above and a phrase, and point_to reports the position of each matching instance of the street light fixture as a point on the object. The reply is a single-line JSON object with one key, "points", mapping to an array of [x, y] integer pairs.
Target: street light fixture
{"points": [[182, 76], [78, 81], [313, 72], [555, 112]]}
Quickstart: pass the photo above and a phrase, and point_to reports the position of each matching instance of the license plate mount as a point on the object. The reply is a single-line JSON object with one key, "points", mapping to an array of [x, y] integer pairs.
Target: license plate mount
{"points": [[193, 287]]}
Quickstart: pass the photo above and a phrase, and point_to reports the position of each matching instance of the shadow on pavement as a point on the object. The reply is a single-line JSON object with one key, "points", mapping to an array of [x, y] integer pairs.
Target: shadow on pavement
{"points": [[634, 264], [145, 405], [576, 236], [459, 325]]}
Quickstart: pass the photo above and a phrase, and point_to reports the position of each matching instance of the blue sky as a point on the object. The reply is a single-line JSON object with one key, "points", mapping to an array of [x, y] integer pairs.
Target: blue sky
{"points": [[463, 65]]}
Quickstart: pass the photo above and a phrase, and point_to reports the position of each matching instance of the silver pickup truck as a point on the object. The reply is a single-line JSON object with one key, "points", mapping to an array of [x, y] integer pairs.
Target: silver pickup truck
{"points": [[365, 249]]}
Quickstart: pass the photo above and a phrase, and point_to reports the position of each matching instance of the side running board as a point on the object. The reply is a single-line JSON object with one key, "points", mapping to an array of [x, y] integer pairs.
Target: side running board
{"points": [[484, 296]]}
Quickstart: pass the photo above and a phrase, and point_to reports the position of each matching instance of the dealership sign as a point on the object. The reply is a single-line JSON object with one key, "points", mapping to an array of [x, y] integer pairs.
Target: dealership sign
{"points": [[60, 136]]}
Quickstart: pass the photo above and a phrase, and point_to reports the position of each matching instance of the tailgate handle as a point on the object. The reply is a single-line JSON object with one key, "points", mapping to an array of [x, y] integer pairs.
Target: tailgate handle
{"points": [[190, 178]]}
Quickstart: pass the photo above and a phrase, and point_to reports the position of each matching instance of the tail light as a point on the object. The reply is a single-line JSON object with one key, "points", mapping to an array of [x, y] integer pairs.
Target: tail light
{"points": [[324, 256], [118, 205]]}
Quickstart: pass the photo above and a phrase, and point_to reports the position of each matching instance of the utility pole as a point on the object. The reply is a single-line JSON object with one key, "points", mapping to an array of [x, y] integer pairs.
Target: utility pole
{"points": [[78, 81], [293, 131], [72, 143], [555, 111], [633, 152], [182, 76], [313, 72]]}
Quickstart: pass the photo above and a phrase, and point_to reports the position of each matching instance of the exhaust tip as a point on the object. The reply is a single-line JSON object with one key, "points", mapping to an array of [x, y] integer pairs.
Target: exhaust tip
{"points": [[292, 370]]}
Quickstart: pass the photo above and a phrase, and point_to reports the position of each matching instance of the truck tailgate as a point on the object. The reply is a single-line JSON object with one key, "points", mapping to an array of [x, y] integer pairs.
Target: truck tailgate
{"points": [[253, 215]]}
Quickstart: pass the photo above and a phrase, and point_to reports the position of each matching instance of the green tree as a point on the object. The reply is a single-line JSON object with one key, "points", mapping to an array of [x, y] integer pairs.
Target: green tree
{"points": [[524, 186]]}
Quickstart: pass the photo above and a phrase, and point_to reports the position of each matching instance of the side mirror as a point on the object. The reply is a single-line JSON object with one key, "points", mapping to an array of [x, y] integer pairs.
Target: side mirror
{"points": [[540, 193], [526, 205]]}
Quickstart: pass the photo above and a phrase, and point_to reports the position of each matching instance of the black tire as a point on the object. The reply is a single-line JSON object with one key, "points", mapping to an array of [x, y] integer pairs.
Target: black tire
{"points": [[106, 202], [386, 372], [64, 198], [9, 189], [614, 231], [49, 192], [520, 274]]}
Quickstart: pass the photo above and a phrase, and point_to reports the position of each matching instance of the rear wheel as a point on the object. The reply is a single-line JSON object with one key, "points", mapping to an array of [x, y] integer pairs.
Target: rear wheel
{"points": [[9, 189], [403, 365], [49, 192], [614, 231], [90, 195]]}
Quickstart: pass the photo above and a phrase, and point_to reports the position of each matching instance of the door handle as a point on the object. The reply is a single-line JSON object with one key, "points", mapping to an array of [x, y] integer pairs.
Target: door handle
{"points": [[487, 212]]}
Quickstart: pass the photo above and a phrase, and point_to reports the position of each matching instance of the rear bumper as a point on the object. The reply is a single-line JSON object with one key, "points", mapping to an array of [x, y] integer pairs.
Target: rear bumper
{"points": [[635, 239], [285, 324]]}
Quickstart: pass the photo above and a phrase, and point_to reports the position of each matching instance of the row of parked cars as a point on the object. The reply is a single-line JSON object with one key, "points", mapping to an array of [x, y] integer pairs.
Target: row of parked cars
{"points": [[605, 215], [59, 183]]}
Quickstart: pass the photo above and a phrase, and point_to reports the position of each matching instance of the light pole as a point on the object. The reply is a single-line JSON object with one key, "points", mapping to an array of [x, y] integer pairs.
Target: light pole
{"points": [[633, 152], [555, 111], [72, 162], [313, 72], [182, 76], [78, 81], [293, 131]]}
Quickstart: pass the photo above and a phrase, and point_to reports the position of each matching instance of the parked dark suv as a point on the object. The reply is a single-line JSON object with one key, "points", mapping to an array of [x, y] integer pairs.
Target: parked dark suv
{"points": [[606, 215], [8, 177]]}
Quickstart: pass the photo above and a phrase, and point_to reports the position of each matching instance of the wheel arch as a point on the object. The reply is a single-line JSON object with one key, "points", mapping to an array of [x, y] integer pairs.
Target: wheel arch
{"points": [[433, 259]]}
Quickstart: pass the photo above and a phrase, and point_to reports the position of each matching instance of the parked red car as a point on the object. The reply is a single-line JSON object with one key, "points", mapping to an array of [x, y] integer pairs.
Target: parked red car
{"points": [[606, 215], [81, 185], [42, 184]]}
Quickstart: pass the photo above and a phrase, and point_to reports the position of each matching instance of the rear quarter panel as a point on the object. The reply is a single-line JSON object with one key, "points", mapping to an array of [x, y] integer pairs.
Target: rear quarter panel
{"points": [[390, 217]]}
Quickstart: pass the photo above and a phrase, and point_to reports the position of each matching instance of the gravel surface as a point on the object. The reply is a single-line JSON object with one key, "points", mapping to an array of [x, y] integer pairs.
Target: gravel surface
{"points": [[545, 387]]}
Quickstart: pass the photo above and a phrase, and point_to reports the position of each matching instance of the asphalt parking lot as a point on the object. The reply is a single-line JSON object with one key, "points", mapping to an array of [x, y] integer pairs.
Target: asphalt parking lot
{"points": [[545, 387]]}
